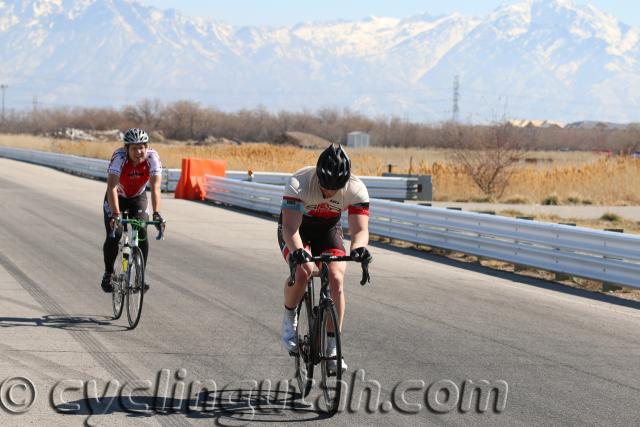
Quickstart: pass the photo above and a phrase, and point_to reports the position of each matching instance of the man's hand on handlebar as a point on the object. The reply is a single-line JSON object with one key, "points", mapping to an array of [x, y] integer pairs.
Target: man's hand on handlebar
{"points": [[361, 255], [300, 256]]}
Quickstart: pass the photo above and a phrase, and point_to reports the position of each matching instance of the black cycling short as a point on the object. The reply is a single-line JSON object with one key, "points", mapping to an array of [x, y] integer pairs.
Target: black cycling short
{"points": [[137, 207], [317, 238]]}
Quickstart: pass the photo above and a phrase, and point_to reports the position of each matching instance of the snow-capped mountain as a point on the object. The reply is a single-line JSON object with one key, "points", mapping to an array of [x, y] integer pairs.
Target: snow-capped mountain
{"points": [[546, 59]]}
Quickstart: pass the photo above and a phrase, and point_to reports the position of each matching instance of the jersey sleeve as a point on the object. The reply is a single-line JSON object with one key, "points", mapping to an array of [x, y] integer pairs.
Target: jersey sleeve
{"points": [[115, 165], [155, 167], [359, 200], [292, 198]]}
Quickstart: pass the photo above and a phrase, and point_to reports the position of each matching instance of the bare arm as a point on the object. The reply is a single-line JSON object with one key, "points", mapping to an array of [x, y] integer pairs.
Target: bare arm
{"points": [[359, 230], [291, 221], [155, 182], [112, 193]]}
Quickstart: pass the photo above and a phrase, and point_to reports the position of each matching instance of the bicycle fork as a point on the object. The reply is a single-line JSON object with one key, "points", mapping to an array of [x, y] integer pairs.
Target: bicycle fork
{"points": [[126, 251]]}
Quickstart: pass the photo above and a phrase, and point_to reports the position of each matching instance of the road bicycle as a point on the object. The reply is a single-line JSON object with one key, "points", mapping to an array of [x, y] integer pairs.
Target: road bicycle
{"points": [[316, 322], [128, 278]]}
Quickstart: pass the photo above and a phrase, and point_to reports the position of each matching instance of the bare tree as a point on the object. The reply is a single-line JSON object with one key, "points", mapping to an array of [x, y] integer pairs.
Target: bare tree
{"points": [[182, 120], [488, 154]]}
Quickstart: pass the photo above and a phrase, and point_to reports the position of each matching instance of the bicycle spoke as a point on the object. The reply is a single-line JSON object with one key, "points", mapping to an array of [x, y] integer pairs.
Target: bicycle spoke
{"points": [[303, 362], [117, 297], [330, 358], [135, 281]]}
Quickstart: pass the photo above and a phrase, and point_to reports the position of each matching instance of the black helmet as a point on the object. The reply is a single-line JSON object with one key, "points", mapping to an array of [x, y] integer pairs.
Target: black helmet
{"points": [[333, 168], [135, 136]]}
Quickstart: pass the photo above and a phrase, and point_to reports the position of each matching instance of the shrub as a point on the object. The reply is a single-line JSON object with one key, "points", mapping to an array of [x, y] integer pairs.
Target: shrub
{"points": [[484, 199], [518, 200], [611, 217], [573, 199]]}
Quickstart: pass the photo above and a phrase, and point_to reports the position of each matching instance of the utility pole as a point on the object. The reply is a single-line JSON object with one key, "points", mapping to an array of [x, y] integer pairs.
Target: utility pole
{"points": [[3, 87], [456, 97], [35, 104]]}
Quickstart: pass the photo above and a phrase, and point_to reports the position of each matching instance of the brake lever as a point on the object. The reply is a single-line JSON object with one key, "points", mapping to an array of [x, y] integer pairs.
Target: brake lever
{"points": [[292, 272], [112, 233], [365, 274], [160, 235]]}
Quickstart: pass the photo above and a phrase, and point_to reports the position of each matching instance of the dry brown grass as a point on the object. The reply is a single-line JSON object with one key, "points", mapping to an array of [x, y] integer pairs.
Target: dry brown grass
{"points": [[604, 181], [573, 177]]}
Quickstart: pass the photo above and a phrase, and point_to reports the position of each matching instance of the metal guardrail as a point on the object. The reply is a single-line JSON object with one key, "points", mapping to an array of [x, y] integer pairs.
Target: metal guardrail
{"points": [[94, 168], [84, 166], [583, 252], [379, 187], [397, 188], [594, 254]]}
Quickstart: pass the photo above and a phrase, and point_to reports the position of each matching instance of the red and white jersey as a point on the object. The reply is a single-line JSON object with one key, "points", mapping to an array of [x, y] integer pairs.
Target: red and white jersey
{"points": [[302, 193], [133, 179]]}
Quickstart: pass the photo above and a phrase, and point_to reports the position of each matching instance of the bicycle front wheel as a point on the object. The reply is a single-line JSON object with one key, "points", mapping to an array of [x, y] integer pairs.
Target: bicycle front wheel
{"points": [[303, 360], [330, 360], [117, 296], [135, 287]]}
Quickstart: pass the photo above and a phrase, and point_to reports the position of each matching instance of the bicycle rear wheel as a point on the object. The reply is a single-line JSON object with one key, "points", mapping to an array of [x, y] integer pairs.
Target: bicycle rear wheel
{"points": [[117, 296], [135, 286], [331, 382], [303, 362]]}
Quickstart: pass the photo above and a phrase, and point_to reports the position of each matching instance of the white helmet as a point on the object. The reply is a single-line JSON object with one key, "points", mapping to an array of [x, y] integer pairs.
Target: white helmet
{"points": [[135, 136]]}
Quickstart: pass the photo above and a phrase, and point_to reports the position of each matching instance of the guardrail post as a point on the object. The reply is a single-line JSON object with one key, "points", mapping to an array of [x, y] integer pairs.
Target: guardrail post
{"points": [[561, 277], [518, 268], [610, 287]]}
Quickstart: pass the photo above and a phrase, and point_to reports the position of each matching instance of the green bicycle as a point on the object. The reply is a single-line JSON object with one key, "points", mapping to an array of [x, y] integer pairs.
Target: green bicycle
{"points": [[128, 277]]}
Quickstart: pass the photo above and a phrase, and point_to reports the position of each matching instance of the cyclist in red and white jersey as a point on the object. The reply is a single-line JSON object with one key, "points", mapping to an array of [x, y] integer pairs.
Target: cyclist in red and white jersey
{"points": [[130, 169], [313, 202]]}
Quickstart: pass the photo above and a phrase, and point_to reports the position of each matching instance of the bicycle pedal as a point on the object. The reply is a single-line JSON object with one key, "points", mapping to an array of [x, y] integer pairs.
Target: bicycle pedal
{"points": [[294, 353]]}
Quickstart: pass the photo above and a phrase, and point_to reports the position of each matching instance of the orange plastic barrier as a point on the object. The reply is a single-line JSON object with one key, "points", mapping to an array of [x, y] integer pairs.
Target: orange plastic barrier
{"points": [[193, 184]]}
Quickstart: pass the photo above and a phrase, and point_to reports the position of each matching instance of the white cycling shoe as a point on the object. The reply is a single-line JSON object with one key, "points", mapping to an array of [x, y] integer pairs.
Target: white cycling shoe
{"points": [[288, 335], [331, 352]]}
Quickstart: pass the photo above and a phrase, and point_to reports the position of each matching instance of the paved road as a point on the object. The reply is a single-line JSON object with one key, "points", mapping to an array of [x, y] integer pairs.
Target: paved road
{"points": [[427, 323]]}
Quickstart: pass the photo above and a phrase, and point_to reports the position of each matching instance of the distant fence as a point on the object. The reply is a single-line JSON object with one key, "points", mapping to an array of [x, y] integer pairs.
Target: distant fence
{"points": [[84, 166], [378, 187], [398, 188]]}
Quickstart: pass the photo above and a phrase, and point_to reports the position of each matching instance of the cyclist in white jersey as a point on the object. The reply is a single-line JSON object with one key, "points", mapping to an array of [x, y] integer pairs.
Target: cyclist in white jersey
{"points": [[130, 169], [309, 224]]}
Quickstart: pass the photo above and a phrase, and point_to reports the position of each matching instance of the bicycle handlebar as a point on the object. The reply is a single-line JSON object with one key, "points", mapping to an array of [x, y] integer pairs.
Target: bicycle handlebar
{"points": [[141, 223], [332, 258]]}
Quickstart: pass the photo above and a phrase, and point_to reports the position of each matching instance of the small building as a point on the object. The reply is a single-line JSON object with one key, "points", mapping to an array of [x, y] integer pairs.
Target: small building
{"points": [[357, 139]]}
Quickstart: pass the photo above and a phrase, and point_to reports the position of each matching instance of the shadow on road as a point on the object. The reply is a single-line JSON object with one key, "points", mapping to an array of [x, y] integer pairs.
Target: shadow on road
{"points": [[237, 405], [66, 322]]}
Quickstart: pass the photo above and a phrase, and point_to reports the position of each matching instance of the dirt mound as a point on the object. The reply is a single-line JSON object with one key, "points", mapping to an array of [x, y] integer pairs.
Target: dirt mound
{"points": [[301, 139]]}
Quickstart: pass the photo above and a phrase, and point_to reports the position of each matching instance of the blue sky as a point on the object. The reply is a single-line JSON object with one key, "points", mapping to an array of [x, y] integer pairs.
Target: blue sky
{"points": [[288, 12]]}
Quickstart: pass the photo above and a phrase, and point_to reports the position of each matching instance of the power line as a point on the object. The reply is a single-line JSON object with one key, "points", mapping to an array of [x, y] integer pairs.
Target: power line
{"points": [[3, 87], [456, 94]]}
